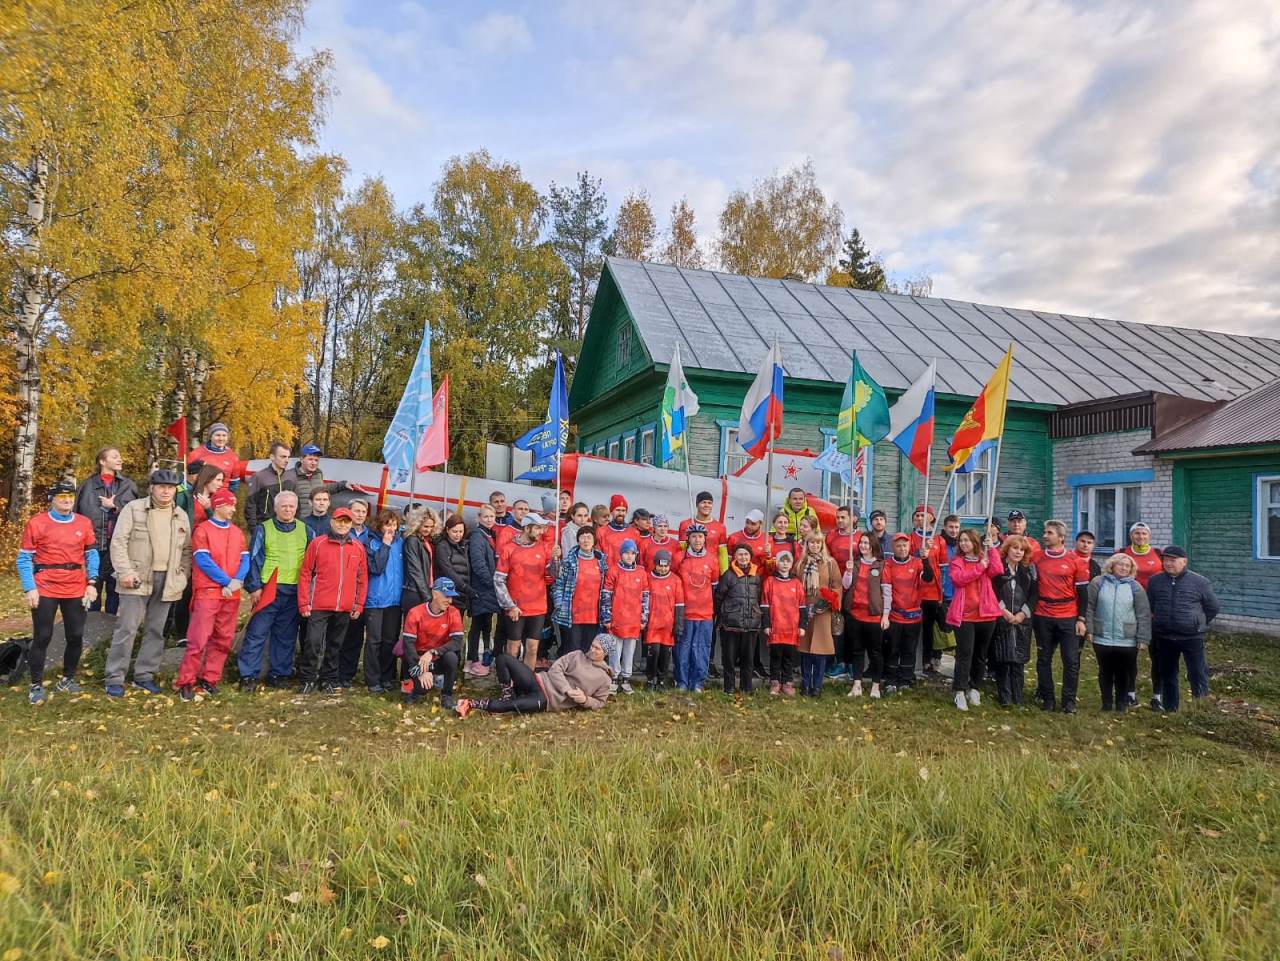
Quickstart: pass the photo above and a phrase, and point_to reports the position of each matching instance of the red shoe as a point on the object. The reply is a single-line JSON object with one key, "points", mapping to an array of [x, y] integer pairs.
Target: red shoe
{"points": [[462, 708]]}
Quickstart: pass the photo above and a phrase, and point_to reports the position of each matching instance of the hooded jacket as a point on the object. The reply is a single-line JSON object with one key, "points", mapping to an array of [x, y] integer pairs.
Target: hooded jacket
{"points": [[575, 669], [386, 572], [334, 576]]}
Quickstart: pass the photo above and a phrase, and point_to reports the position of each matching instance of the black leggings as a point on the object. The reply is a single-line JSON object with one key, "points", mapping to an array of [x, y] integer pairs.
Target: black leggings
{"points": [[900, 642], [867, 637], [381, 631], [525, 693], [42, 616], [445, 664], [1117, 674], [932, 612], [972, 640], [737, 650], [481, 628], [782, 662], [580, 638], [657, 662]]}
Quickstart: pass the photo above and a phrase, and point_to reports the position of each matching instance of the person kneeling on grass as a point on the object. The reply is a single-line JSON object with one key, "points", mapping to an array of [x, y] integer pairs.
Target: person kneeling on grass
{"points": [[434, 632], [574, 680]]}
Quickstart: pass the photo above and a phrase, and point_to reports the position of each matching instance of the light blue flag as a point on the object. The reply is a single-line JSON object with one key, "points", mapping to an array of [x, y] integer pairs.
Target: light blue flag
{"points": [[970, 465], [547, 441], [413, 417]]}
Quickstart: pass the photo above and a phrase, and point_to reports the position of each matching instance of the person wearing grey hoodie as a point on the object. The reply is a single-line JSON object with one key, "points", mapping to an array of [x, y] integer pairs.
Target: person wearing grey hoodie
{"points": [[1118, 619]]}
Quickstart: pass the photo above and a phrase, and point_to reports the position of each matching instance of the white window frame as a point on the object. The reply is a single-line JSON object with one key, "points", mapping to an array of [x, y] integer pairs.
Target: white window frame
{"points": [[963, 485], [648, 445], [615, 447], [1087, 514], [629, 448], [1264, 501], [732, 455]]}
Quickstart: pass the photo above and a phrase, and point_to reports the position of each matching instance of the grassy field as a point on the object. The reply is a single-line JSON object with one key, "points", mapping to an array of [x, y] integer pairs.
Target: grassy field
{"points": [[664, 827]]}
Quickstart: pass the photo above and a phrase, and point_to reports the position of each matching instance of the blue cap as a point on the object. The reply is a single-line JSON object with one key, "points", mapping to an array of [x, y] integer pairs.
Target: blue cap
{"points": [[445, 586], [628, 545], [309, 449]]}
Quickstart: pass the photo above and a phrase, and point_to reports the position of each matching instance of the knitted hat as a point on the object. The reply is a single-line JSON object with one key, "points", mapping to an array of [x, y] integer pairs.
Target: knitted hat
{"points": [[628, 545], [221, 496], [608, 642], [616, 501], [208, 437]]}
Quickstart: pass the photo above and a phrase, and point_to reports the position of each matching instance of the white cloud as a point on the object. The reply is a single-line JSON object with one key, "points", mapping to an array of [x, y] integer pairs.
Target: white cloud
{"points": [[499, 34]]}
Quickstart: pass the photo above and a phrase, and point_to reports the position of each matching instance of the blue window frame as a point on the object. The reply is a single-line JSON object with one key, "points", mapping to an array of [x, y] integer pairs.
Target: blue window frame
{"points": [[1107, 504]]}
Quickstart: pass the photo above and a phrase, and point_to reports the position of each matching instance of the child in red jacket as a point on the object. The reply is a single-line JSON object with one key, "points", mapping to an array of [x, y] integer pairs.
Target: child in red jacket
{"points": [[220, 561], [624, 608], [666, 620], [332, 586], [785, 613]]}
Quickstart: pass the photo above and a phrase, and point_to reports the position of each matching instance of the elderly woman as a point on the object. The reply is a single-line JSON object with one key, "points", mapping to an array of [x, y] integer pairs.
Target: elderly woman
{"points": [[1118, 618], [574, 680]]}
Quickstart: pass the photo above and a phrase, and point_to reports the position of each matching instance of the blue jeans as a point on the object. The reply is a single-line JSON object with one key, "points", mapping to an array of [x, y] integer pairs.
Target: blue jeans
{"points": [[811, 671], [1190, 649], [279, 621], [693, 654]]}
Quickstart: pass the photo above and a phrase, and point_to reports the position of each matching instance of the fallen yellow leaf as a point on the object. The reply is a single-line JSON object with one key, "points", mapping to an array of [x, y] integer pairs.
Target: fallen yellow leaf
{"points": [[380, 942]]}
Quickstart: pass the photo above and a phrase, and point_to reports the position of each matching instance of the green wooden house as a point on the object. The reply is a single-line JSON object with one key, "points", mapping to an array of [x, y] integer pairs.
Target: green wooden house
{"points": [[1085, 392]]}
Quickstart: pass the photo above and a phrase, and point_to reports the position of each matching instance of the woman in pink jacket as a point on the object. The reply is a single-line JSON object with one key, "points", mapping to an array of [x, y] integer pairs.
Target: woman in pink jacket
{"points": [[973, 612]]}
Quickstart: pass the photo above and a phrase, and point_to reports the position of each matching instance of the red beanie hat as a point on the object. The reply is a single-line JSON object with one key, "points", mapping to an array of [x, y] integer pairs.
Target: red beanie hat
{"points": [[221, 496], [616, 501]]}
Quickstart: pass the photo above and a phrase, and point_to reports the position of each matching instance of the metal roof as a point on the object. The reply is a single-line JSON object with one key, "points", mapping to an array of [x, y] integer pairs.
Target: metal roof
{"points": [[1251, 419], [726, 322]]}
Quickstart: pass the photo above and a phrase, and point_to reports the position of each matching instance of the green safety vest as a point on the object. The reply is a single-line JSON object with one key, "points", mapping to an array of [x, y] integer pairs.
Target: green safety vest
{"points": [[284, 550]]}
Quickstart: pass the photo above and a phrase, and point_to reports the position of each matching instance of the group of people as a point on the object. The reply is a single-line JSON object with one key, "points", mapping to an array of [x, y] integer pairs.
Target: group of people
{"points": [[566, 606]]}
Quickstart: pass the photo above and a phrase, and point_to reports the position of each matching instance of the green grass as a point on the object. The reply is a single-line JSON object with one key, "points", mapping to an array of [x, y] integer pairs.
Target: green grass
{"points": [[663, 827]]}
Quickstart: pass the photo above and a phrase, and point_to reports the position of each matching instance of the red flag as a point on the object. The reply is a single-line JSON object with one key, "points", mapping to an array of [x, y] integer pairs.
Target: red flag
{"points": [[268, 593], [178, 431], [434, 448]]}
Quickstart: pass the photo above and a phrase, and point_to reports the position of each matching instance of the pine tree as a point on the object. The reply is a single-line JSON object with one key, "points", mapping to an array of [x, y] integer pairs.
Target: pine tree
{"points": [[858, 267]]}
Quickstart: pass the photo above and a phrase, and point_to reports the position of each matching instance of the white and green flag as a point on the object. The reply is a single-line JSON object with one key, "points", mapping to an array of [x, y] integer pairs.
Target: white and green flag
{"points": [[679, 403]]}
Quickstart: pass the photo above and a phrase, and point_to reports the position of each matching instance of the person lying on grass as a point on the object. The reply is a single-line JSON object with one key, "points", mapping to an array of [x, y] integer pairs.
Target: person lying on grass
{"points": [[574, 680]]}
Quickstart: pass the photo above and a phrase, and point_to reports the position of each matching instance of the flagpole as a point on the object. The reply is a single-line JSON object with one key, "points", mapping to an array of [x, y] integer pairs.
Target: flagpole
{"points": [[444, 497], [928, 462]]}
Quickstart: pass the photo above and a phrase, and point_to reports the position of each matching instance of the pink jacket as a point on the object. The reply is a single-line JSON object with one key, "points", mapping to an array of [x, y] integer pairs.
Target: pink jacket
{"points": [[963, 573]]}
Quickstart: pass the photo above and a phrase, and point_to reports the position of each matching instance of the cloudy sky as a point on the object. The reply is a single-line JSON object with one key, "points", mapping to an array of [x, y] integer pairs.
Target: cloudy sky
{"points": [[1113, 159]]}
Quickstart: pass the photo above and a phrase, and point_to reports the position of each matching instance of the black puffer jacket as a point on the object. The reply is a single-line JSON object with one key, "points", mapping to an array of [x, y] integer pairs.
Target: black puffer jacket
{"points": [[738, 600], [1017, 593], [454, 562], [482, 562], [104, 519], [1181, 606]]}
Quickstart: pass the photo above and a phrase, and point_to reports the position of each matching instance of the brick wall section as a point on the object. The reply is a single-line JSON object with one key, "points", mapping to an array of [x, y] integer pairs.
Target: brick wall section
{"points": [[1101, 453]]}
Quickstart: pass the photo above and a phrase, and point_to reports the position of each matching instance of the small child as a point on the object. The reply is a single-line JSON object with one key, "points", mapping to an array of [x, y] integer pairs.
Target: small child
{"points": [[738, 606], [624, 609], [666, 620], [785, 615]]}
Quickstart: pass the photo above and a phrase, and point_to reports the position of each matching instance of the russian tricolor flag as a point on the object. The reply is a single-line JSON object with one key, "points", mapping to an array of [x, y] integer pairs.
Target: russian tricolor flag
{"points": [[911, 420], [761, 419]]}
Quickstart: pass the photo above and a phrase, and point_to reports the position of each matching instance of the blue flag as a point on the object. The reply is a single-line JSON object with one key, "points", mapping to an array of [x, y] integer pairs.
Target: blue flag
{"points": [[413, 417], [971, 463], [547, 441]]}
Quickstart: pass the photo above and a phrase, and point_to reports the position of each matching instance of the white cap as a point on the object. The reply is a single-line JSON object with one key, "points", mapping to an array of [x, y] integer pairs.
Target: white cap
{"points": [[755, 516], [532, 518], [1139, 526]]}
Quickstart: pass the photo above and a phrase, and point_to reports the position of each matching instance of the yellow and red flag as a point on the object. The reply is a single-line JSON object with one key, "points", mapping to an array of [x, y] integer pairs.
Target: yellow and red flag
{"points": [[985, 419]]}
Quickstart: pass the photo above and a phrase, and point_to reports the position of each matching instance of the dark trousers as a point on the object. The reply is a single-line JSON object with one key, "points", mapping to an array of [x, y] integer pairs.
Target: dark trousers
{"points": [[180, 615], [481, 629], [521, 692], [972, 640], [42, 618], [782, 662], [1053, 633], [445, 663], [901, 641], [349, 652], [812, 672], [1117, 671], [381, 631], [868, 640], [657, 663], [737, 650], [1011, 678], [580, 637], [108, 600], [1157, 678], [845, 645], [1189, 649], [931, 613], [325, 632]]}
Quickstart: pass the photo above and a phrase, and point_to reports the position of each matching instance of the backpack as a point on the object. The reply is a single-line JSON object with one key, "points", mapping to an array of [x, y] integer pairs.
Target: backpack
{"points": [[13, 660]]}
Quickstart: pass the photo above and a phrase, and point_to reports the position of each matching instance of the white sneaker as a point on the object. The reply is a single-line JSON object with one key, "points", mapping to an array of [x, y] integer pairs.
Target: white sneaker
{"points": [[961, 703], [875, 692], [856, 690], [975, 697]]}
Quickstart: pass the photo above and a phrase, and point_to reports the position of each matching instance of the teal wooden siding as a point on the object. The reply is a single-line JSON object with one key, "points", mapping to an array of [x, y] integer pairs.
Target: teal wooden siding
{"points": [[1214, 518]]}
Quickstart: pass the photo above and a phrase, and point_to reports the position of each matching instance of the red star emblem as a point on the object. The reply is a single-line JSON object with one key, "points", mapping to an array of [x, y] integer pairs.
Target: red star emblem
{"points": [[791, 471]]}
